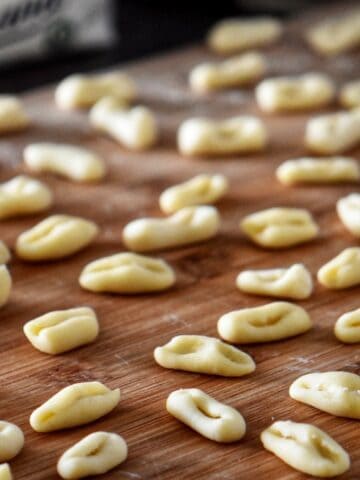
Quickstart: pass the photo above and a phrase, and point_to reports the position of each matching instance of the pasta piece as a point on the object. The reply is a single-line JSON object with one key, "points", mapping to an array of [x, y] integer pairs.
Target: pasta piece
{"points": [[82, 91], [74, 405], [274, 321], [11, 441], [5, 254], [5, 472], [212, 419], [336, 35], [75, 163], [135, 128], [55, 237], [343, 271], [280, 227], [312, 170], [347, 327], [292, 282], [306, 448], [348, 209], [350, 95], [188, 225], [94, 454], [233, 72], [236, 135], [23, 195], [304, 92], [197, 353], [333, 133], [127, 273], [12, 115], [62, 330], [336, 393], [200, 190], [235, 34], [5, 285]]}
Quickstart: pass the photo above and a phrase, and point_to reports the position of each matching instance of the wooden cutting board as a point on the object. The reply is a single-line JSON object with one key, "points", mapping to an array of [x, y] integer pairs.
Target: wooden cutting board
{"points": [[132, 326]]}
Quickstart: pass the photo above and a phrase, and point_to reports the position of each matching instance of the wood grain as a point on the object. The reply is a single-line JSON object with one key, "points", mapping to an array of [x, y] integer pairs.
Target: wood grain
{"points": [[131, 326]]}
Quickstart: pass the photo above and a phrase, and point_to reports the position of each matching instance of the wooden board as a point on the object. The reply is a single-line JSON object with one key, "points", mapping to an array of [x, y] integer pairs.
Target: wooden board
{"points": [[160, 447]]}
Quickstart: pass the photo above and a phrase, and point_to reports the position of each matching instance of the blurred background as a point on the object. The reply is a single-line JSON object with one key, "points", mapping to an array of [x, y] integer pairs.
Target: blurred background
{"points": [[41, 41]]}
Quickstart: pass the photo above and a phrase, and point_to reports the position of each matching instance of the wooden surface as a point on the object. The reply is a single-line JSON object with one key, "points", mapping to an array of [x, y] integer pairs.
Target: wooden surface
{"points": [[159, 446]]}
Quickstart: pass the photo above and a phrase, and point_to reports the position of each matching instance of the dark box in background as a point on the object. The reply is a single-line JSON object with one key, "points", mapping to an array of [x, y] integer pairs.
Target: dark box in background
{"points": [[42, 41]]}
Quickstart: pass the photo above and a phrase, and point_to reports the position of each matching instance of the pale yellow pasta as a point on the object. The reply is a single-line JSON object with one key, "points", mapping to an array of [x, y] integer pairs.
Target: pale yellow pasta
{"points": [[236, 135], [127, 273], [201, 354], [12, 115], [333, 133], [306, 448], [350, 95], [315, 170], [348, 209], [74, 405], [336, 35], [62, 330], [5, 472], [94, 454], [236, 34], [303, 92], [69, 161], [212, 419], [292, 282], [186, 226], [5, 254], [347, 327], [11, 440], [203, 189], [273, 321], [280, 227], [136, 128], [233, 72], [82, 91], [343, 271], [23, 195], [5, 285], [57, 236], [337, 393]]}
